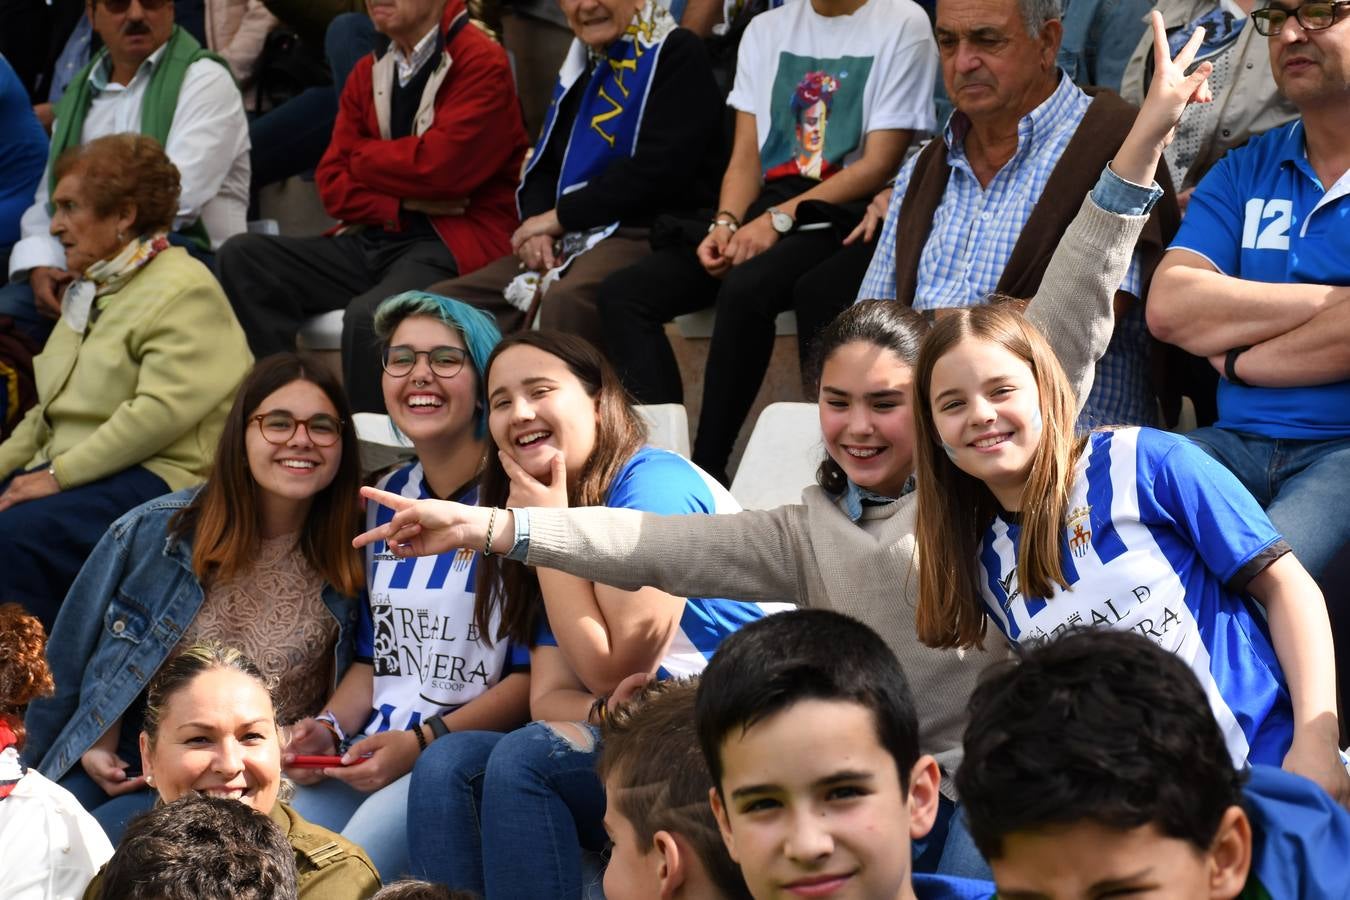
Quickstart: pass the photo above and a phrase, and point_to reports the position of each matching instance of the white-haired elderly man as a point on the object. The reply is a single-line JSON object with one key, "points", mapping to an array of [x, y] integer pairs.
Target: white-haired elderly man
{"points": [[981, 210]]}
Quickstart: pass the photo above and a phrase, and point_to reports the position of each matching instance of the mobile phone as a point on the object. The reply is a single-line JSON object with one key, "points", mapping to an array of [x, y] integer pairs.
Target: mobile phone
{"points": [[323, 762]]}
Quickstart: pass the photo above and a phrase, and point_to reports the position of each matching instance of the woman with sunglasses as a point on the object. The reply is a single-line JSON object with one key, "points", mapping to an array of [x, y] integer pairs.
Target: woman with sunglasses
{"points": [[421, 670], [259, 556]]}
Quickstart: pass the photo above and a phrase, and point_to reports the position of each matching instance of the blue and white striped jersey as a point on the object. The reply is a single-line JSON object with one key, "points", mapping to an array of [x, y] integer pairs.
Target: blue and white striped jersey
{"points": [[659, 481], [1160, 539], [417, 628]]}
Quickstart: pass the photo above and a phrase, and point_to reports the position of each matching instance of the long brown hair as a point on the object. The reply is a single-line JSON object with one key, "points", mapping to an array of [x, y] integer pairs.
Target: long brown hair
{"points": [[223, 520], [955, 508], [513, 588], [24, 675]]}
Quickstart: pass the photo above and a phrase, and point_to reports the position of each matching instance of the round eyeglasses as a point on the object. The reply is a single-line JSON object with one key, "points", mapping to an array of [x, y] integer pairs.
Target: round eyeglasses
{"points": [[279, 427], [1316, 16], [400, 360]]}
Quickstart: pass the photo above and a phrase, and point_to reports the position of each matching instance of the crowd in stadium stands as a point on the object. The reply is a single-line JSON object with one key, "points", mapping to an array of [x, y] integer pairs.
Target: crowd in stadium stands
{"points": [[1060, 617]]}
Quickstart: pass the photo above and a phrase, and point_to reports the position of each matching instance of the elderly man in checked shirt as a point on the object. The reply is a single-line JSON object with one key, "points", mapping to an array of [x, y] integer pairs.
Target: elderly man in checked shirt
{"points": [[980, 210]]}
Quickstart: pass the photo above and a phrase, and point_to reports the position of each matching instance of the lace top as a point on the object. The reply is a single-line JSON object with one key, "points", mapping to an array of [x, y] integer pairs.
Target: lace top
{"points": [[274, 612]]}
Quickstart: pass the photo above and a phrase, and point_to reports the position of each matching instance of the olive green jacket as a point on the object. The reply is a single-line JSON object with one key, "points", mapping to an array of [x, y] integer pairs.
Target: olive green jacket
{"points": [[147, 384]]}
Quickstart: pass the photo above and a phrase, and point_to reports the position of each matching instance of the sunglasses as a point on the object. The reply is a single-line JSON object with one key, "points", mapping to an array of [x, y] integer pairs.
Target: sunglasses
{"points": [[117, 7]]}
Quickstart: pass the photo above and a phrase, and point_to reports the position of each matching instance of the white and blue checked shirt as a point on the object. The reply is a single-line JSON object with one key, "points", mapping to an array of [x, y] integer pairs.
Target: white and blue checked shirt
{"points": [[972, 238]]}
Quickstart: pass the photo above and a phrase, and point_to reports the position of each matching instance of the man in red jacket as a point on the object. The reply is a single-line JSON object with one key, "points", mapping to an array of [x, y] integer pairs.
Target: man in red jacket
{"points": [[421, 172]]}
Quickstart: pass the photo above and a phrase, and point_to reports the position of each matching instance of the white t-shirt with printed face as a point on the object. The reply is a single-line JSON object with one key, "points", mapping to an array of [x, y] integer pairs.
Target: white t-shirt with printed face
{"points": [[817, 85]]}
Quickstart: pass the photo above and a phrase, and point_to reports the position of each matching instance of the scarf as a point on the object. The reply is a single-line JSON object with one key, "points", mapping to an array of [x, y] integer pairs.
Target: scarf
{"points": [[108, 276], [606, 126], [11, 770]]}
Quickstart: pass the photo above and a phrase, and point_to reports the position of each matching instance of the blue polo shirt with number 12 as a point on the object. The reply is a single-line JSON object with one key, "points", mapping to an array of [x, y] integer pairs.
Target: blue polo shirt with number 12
{"points": [[1261, 214]]}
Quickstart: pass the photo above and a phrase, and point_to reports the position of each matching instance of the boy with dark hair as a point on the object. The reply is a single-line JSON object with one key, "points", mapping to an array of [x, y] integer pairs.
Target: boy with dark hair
{"points": [[664, 839], [808, 728], [1094, 766], [201, 848]]}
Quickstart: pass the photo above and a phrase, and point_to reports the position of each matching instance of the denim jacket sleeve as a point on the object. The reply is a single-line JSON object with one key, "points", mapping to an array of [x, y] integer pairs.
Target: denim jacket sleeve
{"points": [[71, 645], [121, 619]]}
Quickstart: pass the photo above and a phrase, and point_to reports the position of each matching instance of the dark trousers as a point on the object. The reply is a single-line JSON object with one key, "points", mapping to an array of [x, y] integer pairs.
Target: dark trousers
{"points": [[291, 138], [569, 305], [44, 542], [636, 302], [275, 283]]}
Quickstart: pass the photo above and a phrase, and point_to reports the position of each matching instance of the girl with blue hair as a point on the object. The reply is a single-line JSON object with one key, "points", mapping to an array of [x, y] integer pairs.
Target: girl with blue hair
{"points": [[421, 669]]}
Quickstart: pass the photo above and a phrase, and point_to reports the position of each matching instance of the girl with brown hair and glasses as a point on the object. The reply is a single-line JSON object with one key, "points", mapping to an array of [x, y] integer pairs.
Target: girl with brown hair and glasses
{"points": [[259, 556]]}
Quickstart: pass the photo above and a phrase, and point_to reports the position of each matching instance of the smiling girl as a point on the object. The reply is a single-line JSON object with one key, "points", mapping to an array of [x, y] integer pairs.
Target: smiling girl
{"points": [[259, 555], [421, 670], [849, 545], [1042, 531], [566, 435]]}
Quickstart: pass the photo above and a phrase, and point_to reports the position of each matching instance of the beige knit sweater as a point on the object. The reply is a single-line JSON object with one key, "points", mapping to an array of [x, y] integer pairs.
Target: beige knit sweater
{"points": [[811, 553]]}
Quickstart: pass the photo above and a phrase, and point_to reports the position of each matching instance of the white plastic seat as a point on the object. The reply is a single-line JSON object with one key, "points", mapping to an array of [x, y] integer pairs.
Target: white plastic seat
{"points": [[780, 458], [667, 427], [381, 445], [321, 332]]}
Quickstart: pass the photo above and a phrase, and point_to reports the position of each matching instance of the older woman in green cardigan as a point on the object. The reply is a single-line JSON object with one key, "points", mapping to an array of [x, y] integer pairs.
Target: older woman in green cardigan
{"points": [[135, 381]]}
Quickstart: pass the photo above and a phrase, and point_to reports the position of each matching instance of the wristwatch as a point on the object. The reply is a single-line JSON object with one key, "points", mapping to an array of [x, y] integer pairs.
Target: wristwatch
{"points": [[781, 221]]}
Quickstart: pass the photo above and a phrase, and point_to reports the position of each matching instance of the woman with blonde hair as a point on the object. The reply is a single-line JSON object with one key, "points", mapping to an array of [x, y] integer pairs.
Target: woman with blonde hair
{"points": [[211, 728]]}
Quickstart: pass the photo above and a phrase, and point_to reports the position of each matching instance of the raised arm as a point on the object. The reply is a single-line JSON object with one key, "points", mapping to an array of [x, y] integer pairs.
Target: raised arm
{"points": [[1074, 307]]}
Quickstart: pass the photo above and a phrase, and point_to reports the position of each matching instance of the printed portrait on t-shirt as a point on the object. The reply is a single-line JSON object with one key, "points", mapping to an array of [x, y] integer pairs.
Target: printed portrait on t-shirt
{"points": [[816, 115]]}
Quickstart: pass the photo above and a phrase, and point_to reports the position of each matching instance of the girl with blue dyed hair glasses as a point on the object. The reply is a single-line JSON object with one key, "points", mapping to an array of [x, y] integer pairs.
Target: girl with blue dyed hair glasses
{"points": [[420, 668]]}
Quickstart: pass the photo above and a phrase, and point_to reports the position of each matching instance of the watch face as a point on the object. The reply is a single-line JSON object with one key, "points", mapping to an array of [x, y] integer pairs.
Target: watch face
{"points": [[781, 221]]}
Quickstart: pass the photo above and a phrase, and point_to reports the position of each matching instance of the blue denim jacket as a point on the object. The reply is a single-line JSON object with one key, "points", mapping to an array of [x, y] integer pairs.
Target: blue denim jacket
{"points": [[123, 617]]}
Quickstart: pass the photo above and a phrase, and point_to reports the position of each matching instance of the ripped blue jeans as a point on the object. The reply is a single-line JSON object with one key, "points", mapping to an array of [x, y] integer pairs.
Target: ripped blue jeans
{"points": [[508, 815]]}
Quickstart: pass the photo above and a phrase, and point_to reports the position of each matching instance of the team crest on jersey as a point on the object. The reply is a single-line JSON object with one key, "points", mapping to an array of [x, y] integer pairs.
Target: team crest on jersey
{"points": [[463, 558], [1080, 530]]}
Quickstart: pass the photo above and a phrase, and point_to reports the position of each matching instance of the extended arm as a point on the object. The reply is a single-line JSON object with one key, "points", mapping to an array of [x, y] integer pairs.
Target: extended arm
{"points": [[1301, 634], [755, 555]]}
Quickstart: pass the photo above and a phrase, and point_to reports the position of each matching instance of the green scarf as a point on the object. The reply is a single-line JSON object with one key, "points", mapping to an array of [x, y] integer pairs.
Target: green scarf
{"points": [[157, 108]]}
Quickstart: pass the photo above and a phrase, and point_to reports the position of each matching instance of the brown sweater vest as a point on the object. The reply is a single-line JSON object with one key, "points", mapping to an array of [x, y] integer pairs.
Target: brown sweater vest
{"points": [[1099, 135]]}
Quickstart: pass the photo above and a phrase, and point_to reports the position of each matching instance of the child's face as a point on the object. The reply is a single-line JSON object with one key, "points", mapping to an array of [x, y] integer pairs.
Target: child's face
{"points": [[866, 417], [634, 870], [811, 805], [986, 408], [1088, 861]]}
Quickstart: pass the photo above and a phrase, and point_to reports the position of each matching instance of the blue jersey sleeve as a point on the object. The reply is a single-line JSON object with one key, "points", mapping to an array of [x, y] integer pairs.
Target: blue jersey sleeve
{"points": [[1214, 218], [658, 481], [1200, 498]]}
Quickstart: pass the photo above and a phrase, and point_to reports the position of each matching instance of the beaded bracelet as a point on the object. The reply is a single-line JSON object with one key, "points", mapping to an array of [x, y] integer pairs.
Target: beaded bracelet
{"points": [[421, 738], [492, 522]]}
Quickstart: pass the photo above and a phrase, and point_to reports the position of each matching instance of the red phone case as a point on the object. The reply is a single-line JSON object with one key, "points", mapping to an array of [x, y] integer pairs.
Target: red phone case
{"points": [[318, 762]]}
